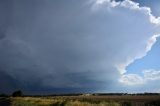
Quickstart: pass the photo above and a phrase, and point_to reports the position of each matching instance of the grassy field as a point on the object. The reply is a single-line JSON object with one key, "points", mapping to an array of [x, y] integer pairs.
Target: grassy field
{"points": [[82, 101]]}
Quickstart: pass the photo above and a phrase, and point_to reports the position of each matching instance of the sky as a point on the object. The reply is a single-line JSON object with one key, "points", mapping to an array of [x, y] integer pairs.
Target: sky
{"points": [[75, 46]]}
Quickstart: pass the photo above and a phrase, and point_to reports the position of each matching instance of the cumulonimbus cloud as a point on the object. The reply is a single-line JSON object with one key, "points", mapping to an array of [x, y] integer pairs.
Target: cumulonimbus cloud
{"points": [[77, 44]]}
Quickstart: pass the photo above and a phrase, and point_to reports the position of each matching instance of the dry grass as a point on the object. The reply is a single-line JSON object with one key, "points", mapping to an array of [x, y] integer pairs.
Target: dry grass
{"points": [[86, 101], [34, 101]]}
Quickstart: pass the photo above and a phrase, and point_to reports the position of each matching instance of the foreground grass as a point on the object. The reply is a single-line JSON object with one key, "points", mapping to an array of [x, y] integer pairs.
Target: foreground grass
{"points": [[30, 101], [81, 101]]}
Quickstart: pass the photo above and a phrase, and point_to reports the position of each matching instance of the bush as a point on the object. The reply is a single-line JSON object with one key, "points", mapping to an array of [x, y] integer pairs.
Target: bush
{"points": [[3, 95], [17, 93]]}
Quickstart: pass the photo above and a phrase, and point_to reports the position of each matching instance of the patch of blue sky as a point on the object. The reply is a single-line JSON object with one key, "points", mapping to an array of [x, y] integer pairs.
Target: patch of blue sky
{"points": [[153, 4], [150, 61]]}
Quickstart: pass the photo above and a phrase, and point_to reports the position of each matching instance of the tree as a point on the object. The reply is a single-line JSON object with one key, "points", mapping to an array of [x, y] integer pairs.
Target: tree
{"points": [[3, 95], [17, 93]]}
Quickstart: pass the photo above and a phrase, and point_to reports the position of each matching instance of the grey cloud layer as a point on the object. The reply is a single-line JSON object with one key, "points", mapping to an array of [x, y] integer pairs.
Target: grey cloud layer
{"points": [[68, 44]]}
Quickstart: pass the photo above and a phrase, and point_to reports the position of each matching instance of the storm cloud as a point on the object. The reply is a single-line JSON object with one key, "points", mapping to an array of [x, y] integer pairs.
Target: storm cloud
{"points": [[72, 46]]}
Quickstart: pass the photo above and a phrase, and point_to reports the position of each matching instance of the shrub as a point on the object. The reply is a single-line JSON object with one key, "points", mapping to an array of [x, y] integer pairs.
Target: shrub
{"points": [[17, 93]]}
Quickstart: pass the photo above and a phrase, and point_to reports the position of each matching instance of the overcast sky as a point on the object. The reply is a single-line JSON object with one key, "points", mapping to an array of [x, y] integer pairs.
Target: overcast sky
{"points": [[63, 46]]}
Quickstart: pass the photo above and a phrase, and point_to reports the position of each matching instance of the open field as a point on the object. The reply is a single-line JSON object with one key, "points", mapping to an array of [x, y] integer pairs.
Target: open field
{"points": [[82, 101]]}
